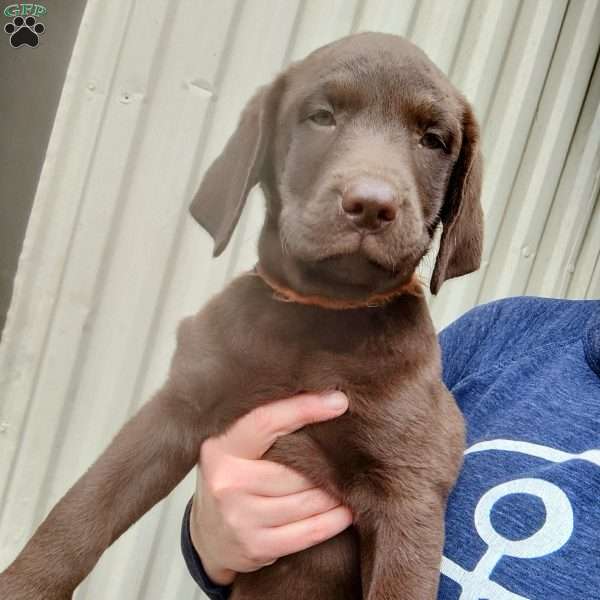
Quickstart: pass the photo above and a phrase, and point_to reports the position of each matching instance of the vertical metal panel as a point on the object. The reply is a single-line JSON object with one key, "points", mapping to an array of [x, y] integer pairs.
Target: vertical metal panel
{"points": [[111, 261]]}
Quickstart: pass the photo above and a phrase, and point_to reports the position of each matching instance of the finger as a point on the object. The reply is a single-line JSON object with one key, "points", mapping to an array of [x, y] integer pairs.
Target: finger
{"points": [[282, 510], [294, 537], [225, 473], [268, 478], [254, 433]]}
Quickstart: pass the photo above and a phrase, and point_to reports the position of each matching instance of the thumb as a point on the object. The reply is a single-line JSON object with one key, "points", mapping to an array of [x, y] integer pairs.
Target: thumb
{"points": [[254, 433]]}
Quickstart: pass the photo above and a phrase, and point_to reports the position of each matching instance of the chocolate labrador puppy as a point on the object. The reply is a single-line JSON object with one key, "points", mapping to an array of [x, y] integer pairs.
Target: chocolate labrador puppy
{"points": [[362, 149]]}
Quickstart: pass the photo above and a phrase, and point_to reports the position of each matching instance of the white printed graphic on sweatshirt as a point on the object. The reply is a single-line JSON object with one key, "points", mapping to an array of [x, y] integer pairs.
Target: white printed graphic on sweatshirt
{"points": [[552, 535]]}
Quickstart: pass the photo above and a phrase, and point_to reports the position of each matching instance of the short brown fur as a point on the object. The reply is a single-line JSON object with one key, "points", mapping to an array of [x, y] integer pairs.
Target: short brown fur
{"points": [[395, 454]]}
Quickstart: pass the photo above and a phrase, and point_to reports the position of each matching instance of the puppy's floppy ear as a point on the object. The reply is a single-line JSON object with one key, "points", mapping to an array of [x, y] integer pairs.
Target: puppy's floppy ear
{"points": [[219, 201], [461, 214]]}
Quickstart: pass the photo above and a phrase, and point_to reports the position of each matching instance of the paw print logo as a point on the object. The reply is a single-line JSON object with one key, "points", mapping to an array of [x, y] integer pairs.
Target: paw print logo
{"points": [[24, 31]]}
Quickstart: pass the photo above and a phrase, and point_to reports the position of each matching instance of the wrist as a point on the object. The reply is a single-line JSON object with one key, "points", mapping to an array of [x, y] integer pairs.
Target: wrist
{"points": [[217, 573]]}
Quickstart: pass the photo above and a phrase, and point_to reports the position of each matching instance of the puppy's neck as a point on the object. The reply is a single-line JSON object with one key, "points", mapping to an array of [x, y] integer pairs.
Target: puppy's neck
{"points": [[284, 293]]}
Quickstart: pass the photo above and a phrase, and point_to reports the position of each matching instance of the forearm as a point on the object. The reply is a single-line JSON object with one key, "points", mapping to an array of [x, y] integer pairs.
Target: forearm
{"points": [[194, 564]]}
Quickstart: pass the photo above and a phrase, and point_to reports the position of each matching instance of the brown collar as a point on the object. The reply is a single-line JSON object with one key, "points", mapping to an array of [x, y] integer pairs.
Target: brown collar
{"points": [[284, 294]]}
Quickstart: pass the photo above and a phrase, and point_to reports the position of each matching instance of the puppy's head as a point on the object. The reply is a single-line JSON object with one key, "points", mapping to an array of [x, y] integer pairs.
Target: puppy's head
{"points": [[361, 149]]}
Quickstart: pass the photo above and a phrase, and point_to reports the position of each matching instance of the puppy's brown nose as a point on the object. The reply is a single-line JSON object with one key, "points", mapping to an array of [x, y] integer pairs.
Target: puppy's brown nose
{"points": [[370, 203]]}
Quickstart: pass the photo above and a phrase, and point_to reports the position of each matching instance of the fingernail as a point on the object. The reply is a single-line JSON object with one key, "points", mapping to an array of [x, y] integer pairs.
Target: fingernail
{"points": [[335, 400]]}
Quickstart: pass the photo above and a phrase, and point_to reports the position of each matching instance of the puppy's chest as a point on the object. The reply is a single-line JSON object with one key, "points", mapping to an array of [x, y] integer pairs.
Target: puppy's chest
{"points": [[371, 369], [382, 434], [386, 420], [381, 359], [372, 356]]}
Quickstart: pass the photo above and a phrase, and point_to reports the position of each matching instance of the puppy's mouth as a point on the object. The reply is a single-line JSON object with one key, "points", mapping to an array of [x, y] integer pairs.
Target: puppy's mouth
{"points": [[353, 275], [354, 262], [364, 265], [368, 249], [360, 255]]}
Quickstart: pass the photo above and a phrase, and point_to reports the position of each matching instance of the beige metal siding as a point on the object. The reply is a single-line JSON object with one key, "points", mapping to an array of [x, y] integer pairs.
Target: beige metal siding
{"points": [[111, 260]]}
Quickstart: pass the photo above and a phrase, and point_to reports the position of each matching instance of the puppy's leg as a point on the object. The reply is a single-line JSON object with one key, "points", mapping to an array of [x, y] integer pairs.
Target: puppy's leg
{"points": [[145, 461], [328, 571], [401, 548]]}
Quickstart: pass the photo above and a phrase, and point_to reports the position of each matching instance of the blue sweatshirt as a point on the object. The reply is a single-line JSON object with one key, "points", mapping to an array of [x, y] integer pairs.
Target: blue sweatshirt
{"points": [[523, 522]]}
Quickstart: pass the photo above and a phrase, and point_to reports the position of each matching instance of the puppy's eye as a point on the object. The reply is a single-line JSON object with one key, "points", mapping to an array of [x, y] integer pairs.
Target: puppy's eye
{"points": [[433, 141], [323, 118]]}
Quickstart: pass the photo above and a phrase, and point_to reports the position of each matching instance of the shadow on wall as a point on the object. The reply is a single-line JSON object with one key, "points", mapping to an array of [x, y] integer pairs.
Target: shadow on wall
{"points": [[34, 54]]}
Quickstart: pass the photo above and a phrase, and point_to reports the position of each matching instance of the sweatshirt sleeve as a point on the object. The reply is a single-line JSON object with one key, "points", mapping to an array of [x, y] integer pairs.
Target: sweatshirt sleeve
{"points": [[194, 564]]}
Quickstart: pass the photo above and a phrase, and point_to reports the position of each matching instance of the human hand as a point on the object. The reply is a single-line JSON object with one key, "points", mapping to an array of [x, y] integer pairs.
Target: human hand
{"points": [[248, 512]]}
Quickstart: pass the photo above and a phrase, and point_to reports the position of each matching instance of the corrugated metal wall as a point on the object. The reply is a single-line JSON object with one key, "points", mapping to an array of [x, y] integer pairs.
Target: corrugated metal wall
{"points": [[111, 260]]}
